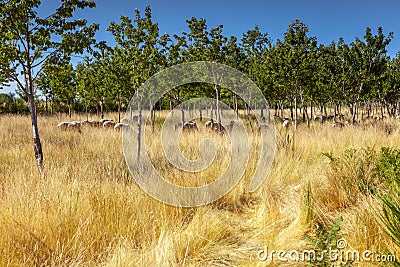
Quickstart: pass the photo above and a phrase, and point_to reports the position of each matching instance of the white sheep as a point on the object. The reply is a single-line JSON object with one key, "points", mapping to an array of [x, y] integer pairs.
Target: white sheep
{"points": [[210, 124], [63, 125], [190, 126], [285, 123], [121, 126], [109, 124], [73, 126], [102, 121]]}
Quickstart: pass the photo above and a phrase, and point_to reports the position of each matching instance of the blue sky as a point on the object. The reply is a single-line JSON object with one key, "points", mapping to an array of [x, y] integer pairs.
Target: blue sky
{"points": [[327, 20]]}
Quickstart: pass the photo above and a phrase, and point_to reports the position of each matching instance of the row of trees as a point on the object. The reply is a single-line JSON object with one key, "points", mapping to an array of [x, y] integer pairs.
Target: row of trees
{"points": [[295, 72]]}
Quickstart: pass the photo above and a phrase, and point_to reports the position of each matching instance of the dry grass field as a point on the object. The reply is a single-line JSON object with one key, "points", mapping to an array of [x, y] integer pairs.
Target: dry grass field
{"points": [[88, 211]]}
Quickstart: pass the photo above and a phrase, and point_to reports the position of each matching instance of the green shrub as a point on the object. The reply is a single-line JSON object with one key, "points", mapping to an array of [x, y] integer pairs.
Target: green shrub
{"points": [[388, 169]]}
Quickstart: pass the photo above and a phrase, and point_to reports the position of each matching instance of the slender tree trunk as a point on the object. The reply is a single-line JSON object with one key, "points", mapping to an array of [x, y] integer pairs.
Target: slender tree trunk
{"points": [[211, 111], [249, 116], [295, 113], [183, 115], [139, 125], [47, 110], [170, 106], [36, 138], [312, 110], [236, 107], [119, 109], [218, 115], [262, 114], [152, 114], [69, 109], [291, 109], [102, 107]]}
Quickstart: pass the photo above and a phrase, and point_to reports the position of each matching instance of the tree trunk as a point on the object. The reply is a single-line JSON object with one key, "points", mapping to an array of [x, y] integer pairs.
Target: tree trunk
{"points": [[218, 115], [139, 125], [102, 107], [36, 138], [86, 110], [291, 109], [47, 110], [295, 112], [249, 116], [152, 114], [69, 110], [183, 115], [119, 109], [170, 106], [236, 107]]}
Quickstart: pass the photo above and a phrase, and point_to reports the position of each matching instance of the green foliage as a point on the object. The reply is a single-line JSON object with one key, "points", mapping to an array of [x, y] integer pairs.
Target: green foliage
{"points": [[325, 239], [292, 71], [388, 168]]}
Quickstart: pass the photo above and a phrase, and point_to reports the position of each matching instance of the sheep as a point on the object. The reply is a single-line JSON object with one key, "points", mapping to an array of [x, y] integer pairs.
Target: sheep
{"points": [[90, 123], [219, 128], [63, 125], [121, 126], [324, 118], [216, 126], [209, 124], [338, 124], [102, 121], [84, 123], [286, 123], [109, 124], [72, 126], [190, 126], [95, 124], [75, 125]]}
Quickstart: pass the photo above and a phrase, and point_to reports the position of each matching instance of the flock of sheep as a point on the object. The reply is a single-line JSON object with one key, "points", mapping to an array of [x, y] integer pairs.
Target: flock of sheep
{"points": [[212, 125], [339, 121], [108, 123], [105, 123]]}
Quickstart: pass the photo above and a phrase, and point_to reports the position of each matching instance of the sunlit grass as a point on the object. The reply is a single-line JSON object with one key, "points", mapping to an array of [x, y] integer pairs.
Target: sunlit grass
{"points": [[88, 211]]}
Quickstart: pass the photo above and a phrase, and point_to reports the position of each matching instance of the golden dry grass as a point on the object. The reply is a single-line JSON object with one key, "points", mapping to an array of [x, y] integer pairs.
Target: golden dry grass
{"points": [[88, 211]]}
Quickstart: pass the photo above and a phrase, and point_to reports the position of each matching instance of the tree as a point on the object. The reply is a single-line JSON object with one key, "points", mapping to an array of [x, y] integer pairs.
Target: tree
{"points": [[59, 82], [369, 61], [141, 46], [29, 43], [255, 46], [300, 50]]}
